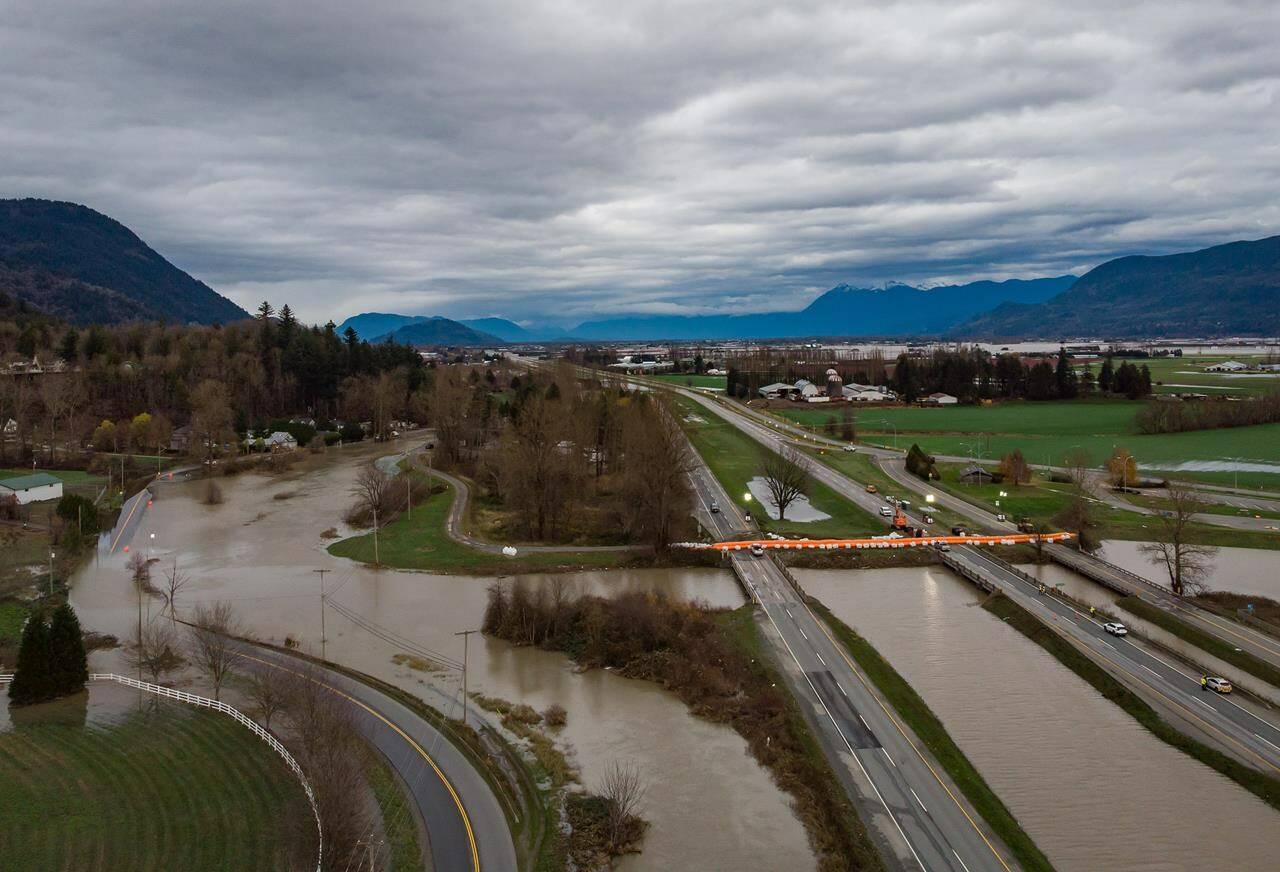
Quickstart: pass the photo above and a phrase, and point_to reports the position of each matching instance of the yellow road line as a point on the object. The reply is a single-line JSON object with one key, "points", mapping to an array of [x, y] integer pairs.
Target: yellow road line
{"points": [[466, 820], [125, 525], [840, 650]]}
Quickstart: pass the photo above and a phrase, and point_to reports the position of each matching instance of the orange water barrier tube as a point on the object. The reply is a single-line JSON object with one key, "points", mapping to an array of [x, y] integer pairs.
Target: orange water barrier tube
{"points": [[886, 542]]}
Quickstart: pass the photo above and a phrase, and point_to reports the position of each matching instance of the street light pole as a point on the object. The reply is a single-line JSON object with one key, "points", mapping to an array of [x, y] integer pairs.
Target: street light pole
{"points": [[466, 636], [51, 556], [322, 634]]}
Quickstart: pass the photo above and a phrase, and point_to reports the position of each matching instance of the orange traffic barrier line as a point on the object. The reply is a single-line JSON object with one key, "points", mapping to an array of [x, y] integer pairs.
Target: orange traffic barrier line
{"points": [[884, 542]]}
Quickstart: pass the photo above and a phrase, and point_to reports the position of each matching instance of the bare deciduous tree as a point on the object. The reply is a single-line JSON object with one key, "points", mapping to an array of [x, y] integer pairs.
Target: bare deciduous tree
{"points": [[655, 490], [623, 789], [174, 582], [155, 650], [1014, 468], [1078, 464], [212, 647], [372, 490], [1187, 563], [786, 475], [268, 691]]}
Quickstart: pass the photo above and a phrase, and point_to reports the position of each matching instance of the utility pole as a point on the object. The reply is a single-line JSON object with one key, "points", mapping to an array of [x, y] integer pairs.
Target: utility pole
{"points": [[408, 493], [466, 635], [376, 562], [322, 640]]}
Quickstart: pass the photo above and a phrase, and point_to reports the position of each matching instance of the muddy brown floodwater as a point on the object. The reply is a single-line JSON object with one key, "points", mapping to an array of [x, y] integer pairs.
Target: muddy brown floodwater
{"points": [[1239, 570], [710, 804], [1094, 789]]}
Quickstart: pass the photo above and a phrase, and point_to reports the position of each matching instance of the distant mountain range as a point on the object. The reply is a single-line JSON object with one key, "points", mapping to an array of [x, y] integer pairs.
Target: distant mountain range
{"points": [[376, 326], [896, 310], [79, 265], [1226, 290]]}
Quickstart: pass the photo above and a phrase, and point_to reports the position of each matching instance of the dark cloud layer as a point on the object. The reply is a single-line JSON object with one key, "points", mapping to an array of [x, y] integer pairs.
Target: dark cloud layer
{"points": [[559, 159]]}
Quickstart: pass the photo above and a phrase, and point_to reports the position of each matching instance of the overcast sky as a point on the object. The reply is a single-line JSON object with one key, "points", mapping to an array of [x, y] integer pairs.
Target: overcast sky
{"points": [[563, 160]]}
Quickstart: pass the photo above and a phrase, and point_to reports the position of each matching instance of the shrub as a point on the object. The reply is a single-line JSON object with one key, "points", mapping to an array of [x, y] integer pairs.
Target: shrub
{"points": [[555, 715]]}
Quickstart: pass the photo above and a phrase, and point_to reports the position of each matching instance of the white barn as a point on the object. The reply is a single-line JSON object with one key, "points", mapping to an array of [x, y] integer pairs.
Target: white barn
{"points": [[33, 488]]}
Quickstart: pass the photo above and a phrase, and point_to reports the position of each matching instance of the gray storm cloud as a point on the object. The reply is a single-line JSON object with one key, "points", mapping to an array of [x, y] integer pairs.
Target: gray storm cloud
{"points": [[563, 159]]}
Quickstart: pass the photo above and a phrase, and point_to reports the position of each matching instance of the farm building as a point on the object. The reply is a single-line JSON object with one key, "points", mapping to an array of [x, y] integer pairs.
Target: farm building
{"points": [[975, 474], [1226, 366], [33, 488], [940, 399]]}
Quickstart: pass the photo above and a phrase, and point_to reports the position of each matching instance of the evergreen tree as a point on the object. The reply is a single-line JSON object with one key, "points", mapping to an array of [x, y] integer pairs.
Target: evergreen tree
{"points": [[1145, 382], [67, 660], [1040, 382], [1106, 376], [70, 343], [32, 680], [1065, 377]]}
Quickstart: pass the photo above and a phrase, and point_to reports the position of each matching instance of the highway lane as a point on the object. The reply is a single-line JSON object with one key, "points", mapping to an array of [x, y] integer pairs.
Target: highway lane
{"points": [[918, 816], [773, 434], [466, 827], [1248, 735], [1253, 738]]}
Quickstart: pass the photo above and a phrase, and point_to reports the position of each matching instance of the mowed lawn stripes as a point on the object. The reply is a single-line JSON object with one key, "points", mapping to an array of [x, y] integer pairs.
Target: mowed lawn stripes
{"points": [[164, 788]]}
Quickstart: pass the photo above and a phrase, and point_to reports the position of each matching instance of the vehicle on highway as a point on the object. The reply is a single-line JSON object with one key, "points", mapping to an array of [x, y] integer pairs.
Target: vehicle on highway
{"points": [[959, 530], [906, 504], [849, 448], [747, 517], [942, 546], [886, 511], [1216, 683], [871, 489], [1116, 628], [757, 550], [928, 519], [714, 507], [1001, 517]]}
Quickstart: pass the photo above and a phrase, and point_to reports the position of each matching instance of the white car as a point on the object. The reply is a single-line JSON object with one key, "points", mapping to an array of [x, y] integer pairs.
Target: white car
{"points": [[1116, 628], [757, 550], [849, 448], [886, 511], [1001, 517], [1217, 684], [714, 507]]}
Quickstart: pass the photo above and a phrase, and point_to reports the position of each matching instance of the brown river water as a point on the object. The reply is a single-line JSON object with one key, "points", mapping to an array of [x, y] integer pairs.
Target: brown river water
{"points": [[1094, 789], [710, 805], [1239, 570]]}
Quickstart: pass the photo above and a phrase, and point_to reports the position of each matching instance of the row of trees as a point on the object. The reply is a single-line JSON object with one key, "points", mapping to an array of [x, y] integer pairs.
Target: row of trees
{"points": [[973, 374], [1208, 414], [267, 368], [51, 658]]}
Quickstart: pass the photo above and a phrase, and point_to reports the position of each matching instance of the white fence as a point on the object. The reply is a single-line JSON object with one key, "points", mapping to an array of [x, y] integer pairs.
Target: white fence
{"points": [[205, 702]]}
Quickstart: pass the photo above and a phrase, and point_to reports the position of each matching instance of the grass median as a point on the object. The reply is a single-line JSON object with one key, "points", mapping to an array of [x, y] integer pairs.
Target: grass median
{"points": [[925, 724], [1200, 639], [734, 459], [420, 541], [1265, 787]]}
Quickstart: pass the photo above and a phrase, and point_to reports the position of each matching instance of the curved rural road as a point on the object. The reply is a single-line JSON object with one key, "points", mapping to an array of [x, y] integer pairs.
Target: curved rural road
{"points": [[458, 511], [466, 827]]}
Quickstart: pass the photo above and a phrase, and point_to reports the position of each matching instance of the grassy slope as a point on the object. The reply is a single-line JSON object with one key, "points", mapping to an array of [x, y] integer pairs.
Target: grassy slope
{"points": [[1262, 786], [734, 459], [1046, 431], [420, 543], [696, 381], [167, 789], [917, 714]]}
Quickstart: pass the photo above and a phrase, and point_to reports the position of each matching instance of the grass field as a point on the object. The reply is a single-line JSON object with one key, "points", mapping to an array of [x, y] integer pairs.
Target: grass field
{"points": [[695, 381], [734, 459], [1176, 375], [167, 788], [420, 542], [1045, 432]]}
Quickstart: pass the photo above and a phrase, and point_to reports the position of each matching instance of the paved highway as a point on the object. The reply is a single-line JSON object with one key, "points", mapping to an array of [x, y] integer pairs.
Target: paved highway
{"points": [[1252, 738], [466, 827], [918, 817]]}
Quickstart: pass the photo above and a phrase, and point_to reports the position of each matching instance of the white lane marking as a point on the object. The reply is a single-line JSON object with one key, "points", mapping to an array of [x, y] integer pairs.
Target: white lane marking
{"points": [[1205, 704], [842, 691], [1269, 742], [887, 757], [1149, 669], [803, 633], [1108, 644], [864, 721], [957, 856], [824, 662], [917, 796]]}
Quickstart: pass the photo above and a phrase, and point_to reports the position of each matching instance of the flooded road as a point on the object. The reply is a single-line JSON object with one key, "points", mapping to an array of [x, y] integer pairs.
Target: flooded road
{"points": [[710, 805], [1094, 789], [1239, 570]]}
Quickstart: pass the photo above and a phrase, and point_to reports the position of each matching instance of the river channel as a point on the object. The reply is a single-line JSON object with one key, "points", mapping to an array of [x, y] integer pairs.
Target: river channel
{"points": [[1094, 789], [1239, 570], [710, 805]]}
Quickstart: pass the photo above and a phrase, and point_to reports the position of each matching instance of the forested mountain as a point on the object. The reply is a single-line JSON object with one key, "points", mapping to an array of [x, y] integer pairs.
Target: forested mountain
{"points": [[897, 310], [375, 325], [1226, 290], [439, 331], [70, 261]]}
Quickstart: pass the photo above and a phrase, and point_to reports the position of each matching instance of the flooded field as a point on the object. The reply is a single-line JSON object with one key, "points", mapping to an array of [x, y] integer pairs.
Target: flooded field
{"points": [[1240, 570], [1088, 783], [711, 806]]}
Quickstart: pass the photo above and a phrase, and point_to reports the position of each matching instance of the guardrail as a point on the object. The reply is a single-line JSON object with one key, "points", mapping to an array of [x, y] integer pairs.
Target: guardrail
{"points": [[1096, 569], [244, 720]]}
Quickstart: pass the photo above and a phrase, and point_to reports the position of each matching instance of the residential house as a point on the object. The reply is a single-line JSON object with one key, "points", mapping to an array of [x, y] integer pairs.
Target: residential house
{"points": [[280, 441], [975, 474], [180, 439]]}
